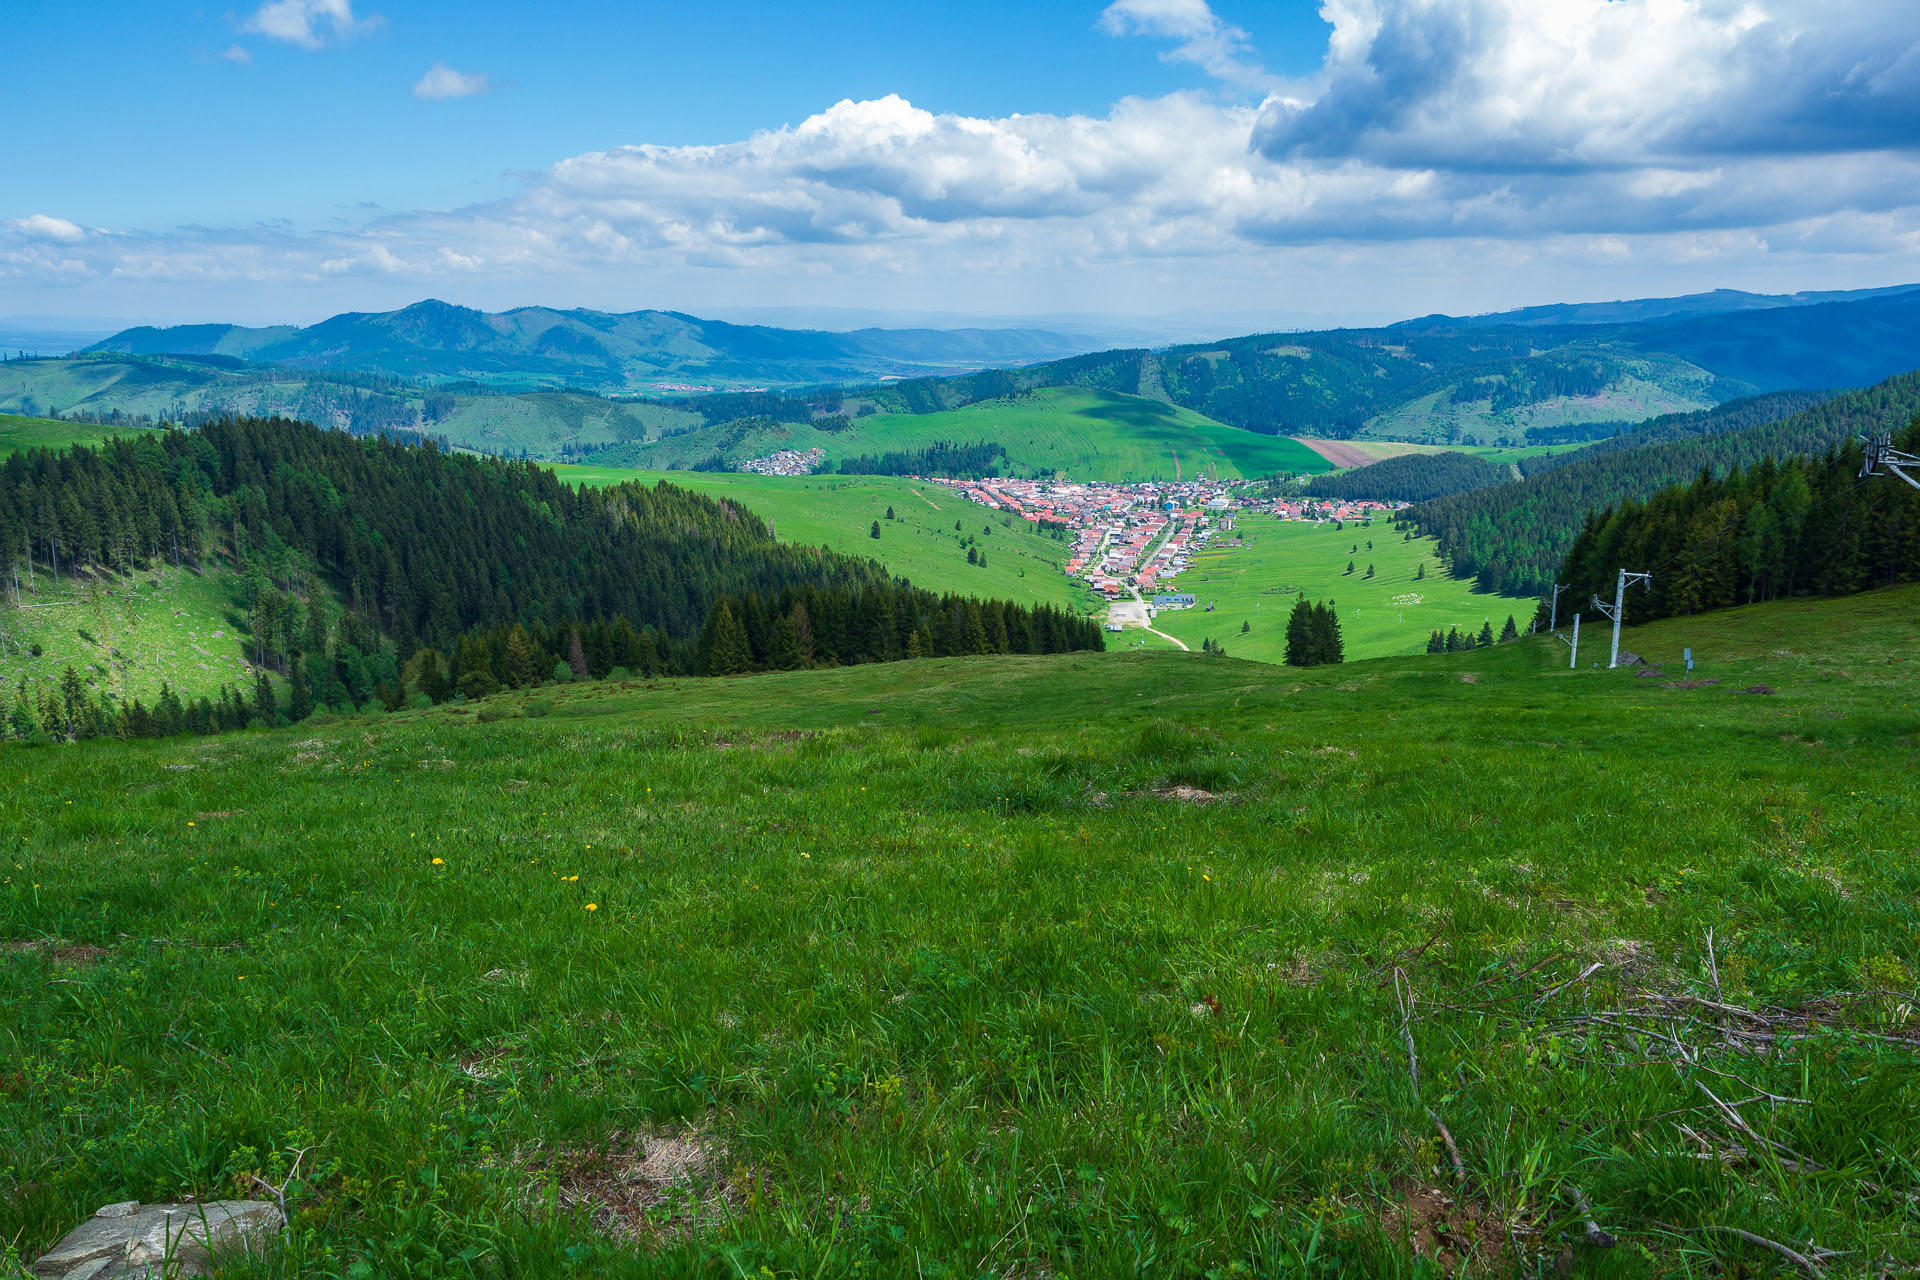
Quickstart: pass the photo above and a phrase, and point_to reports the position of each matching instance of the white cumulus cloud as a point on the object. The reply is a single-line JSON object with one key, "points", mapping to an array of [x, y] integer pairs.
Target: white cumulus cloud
{"points": [[442, 82], [311, 24], [1568, 84], [40, 226]]}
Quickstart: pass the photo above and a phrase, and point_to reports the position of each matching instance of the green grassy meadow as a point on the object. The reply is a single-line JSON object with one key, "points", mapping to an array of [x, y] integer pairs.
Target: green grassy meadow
{"points": [[1653, 385], [128, 636], [18, 433], [1084, 434], [1257, 584], [919, 544], [1089, 966]]}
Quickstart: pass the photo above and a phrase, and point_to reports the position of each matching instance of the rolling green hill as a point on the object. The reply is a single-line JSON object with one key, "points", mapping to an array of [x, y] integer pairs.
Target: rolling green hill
{"points": [[920, 543], [1090, 965], [1084, 433]]}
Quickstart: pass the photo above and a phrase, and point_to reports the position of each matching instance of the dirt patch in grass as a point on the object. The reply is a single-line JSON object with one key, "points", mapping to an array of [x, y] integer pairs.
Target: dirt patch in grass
{"points": [[1192, 795], [1461, 1236], [647, 1186], [68, 955]]}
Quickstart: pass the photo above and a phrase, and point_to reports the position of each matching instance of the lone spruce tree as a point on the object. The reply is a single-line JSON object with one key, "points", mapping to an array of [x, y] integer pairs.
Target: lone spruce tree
{"points": [[1509, 632]]}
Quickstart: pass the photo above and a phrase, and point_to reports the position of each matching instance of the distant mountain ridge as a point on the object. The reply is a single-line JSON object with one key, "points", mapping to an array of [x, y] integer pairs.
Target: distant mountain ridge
{"points": [[1641, 310], [638, 351]]}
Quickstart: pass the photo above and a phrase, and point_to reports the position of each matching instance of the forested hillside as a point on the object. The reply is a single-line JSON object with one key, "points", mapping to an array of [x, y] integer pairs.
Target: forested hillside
{"points": [[1513, 537], [1411, 477], [1792, 526], [497, 568]]}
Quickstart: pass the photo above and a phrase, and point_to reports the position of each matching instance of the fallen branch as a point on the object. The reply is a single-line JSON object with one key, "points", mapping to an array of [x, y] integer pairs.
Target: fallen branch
{"points": [[1405, 1001], [1453, 1152], [1808, 1264], [1580, 977], [1596, 1238]]}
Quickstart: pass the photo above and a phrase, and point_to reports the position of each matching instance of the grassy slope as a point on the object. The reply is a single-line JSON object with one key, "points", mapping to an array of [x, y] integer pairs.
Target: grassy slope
{"points": [[168, 625], [919, 544], [17, 433], [1090, 435], [1258, 583], [1658, 385], [950, 991], [542, 423]]}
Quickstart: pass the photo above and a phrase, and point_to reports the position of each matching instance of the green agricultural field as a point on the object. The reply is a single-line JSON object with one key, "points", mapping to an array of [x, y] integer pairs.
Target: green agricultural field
{"points": [[1257, 584], [18, 433], [919, 544], [1085, 434], [127, 638], [1093, 966]]}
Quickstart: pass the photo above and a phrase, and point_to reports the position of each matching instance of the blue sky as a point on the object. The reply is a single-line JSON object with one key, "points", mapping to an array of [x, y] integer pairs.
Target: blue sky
{"points": [[1357, 158]]}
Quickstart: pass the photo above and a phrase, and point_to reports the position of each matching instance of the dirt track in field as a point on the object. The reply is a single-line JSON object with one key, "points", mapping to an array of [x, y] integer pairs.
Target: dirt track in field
{"points": [[1339, 452]]}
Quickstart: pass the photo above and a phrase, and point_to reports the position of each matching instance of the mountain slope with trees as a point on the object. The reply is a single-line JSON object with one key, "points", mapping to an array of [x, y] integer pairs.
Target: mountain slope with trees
{"points": [[1513, 537], [1410, 477], [1779, 527]]}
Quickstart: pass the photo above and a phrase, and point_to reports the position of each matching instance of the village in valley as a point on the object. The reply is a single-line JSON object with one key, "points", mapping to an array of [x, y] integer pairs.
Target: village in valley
{"points": [[1131, 541]]}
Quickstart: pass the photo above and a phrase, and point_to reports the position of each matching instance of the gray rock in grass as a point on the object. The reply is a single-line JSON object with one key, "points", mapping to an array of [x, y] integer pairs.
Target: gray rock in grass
{"points": [[134, 1241]]}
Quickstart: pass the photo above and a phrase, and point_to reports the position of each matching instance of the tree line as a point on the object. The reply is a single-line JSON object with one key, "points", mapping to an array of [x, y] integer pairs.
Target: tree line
{"points": [[1797, 526], [941, 458], [1411, 477], [1512, 537]]}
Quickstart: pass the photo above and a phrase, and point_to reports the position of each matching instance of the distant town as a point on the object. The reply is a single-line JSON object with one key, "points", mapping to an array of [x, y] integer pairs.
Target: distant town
{"points": [[1135, 538]]}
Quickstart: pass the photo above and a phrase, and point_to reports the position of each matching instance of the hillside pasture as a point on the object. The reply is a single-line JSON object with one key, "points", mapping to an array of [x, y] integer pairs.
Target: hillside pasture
{"points": [[1093, 966], [127, 636], [920, 543], [1257, 583], [1079, 433], [18, 433]]}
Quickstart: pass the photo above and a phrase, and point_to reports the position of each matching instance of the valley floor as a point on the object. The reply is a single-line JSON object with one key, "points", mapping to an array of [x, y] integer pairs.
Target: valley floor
{"points": [[1092, 965]]}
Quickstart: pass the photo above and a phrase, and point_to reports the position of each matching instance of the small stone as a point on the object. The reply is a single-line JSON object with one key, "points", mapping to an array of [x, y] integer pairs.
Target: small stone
{"points": [[129, 1240]]}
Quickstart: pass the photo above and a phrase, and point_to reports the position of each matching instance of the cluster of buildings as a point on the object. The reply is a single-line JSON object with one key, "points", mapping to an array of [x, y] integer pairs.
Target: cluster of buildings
{"points": [[1127, 538], [1317, 509], [787, 462]]}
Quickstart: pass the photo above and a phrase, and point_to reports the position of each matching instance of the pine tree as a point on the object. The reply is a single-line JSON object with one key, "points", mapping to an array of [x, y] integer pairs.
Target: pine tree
{"points": [[1421, 572], [1510, 631], [1486, 633], [1453, 640], [1436, 643], [577, 657], [890, 514], [874, 532], [1369, 571], [1349, 566], [784, 645], [265, 704], [725, 643], [973, 555], [1299, 652]]}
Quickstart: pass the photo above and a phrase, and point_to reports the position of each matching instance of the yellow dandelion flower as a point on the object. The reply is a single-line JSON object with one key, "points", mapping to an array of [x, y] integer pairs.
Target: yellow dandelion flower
{"points": [[437, 862], [593, 906]]}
